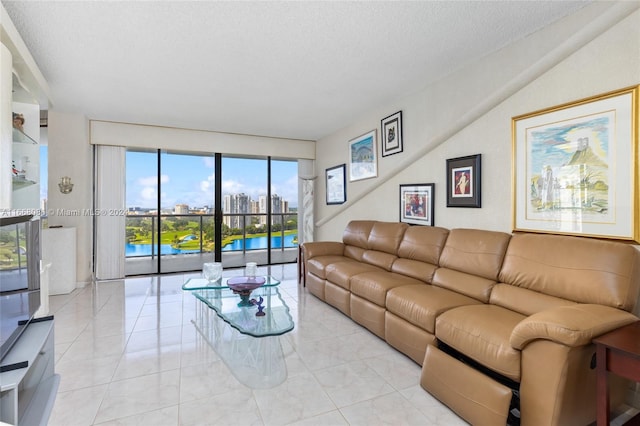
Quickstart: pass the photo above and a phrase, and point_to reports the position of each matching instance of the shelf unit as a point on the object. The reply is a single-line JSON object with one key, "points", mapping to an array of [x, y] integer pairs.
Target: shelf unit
{"points": [[27, 394], [25, 158], [25, 150]]}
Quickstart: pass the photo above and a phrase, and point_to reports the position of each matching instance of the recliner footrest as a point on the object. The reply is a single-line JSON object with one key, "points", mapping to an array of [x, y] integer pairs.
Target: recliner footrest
{"points": [[475, 397]]}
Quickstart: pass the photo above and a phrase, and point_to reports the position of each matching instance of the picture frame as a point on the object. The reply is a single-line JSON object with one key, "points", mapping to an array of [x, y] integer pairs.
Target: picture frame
{"points": [[391, 134], [417, 203], [336, 184], [464, 181], [575, 168], [363, 157]]}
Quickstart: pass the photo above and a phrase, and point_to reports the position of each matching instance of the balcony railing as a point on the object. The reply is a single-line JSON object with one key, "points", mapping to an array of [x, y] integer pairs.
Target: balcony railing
{"points": [[194, 233]]}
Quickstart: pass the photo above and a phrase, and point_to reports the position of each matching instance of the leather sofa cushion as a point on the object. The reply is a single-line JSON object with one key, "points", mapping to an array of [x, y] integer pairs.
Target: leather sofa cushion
{"points": [[354, 252], [579, 269], [357, 233], [526, 302], [373, 286], [317, 265], [421, 304], [475, 251], [379, 258], [482, 333], [461, 282], [414, 269], [386, 236], [340, 273], [423, 243]]}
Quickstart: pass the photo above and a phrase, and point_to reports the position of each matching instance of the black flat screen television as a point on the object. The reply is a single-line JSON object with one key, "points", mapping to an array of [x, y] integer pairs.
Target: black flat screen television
{"points": [[19, 276]]}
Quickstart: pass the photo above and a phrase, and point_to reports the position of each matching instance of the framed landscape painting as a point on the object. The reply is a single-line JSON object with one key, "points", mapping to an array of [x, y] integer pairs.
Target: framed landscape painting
{"points": [[463, 181], [363, 157], [575, 168], [416, 204]]}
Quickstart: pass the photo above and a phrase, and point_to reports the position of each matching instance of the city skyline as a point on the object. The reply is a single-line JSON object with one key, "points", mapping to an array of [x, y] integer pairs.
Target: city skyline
{"points": [[254, 206]]}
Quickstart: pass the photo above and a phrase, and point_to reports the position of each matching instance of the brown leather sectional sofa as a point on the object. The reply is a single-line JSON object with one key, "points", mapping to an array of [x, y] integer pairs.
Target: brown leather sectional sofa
{"points": [[502, 324]]}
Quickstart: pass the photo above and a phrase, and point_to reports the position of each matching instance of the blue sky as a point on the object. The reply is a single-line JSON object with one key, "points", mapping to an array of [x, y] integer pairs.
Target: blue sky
{"points": [[189, 179]]}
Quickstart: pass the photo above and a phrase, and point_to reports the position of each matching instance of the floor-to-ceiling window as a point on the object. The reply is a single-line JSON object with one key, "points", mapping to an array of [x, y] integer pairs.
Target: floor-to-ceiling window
{"points": [[284, 211], [185, 209], [244, 218], [141, 199]]}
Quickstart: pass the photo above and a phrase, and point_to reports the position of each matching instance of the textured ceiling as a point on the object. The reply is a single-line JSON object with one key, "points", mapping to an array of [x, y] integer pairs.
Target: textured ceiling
{"points": [[285, 69]]}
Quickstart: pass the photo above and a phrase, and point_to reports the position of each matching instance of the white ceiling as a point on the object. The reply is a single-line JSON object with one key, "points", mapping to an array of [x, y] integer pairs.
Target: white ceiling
{"points": [[299, 69]]}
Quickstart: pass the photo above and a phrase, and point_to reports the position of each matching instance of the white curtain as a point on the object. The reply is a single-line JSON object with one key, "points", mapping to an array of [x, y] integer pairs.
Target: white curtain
{"points": [[307, 210], [110, 212], [306, 197]]}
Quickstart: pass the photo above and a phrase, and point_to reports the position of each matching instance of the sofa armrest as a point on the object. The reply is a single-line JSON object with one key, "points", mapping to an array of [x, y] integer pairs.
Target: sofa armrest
{"points": [[573, 326], [322, 248]]}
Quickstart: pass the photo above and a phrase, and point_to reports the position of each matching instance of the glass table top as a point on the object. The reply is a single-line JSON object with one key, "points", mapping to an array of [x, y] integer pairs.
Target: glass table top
{"points": [[204, 284], [233, 309]]}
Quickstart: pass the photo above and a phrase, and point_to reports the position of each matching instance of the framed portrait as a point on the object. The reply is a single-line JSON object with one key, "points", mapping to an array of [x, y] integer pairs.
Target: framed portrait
{"points": [[575, 168], [363, 157], [416, 204], [336, 180], [391, 134], [463, 181]]}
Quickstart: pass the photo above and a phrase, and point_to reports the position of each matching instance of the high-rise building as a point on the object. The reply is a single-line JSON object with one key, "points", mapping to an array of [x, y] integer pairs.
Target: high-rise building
{"points": [[278, 205], [181, 209], [236, 204], [242, 203]]}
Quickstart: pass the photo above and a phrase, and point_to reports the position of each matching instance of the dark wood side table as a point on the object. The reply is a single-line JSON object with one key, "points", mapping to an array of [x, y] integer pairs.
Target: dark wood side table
{"points": [[617, 352]]}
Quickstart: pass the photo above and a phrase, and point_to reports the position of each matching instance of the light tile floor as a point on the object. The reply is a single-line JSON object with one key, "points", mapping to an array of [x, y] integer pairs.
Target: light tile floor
{"points": [[128, 354]]}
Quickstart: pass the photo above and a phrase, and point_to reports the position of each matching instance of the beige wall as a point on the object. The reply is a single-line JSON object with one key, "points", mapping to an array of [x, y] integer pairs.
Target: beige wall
{"points": [[594, 51], [71, 155]]}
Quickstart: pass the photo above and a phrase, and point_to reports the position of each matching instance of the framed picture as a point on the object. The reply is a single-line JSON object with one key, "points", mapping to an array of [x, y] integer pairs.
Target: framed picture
{"points": [[363, 157], [391, 133], [336, 180], [575, 168], [416, 203], [463, 181]]}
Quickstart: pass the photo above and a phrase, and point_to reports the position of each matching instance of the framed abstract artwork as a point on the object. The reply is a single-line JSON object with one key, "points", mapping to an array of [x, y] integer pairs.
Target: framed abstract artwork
{"points": [[336, 184], [363, 157], [463, 181], [416, 203], [391, 134], [575, 168]]}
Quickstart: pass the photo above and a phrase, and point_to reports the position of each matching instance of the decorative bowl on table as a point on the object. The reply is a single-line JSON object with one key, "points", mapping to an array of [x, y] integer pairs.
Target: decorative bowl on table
{"points": [[243, 286]]}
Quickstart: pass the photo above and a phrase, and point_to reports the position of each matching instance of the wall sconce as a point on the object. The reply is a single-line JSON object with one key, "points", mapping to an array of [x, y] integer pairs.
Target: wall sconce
{"points": [[65, 185]]}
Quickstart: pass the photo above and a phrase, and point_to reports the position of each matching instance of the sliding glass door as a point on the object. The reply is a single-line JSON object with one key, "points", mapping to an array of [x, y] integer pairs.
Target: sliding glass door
{"points": [[244, 185], [284, 211], [141, 224], [185, 209]]}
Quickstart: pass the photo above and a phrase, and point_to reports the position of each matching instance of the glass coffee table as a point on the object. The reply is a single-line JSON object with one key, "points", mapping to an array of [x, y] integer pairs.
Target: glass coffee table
{"points": [[251, 347], [260, 313]]}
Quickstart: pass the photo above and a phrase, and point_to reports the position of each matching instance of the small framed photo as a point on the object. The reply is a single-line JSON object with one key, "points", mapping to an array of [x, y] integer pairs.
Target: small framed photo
{"points": [[416, 204], [363, 157], [463, 181], [336, 180], [391, 133]]}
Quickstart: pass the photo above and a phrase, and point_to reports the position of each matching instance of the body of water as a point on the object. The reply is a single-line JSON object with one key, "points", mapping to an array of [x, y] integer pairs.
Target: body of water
{"points": [[256, 243]]}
